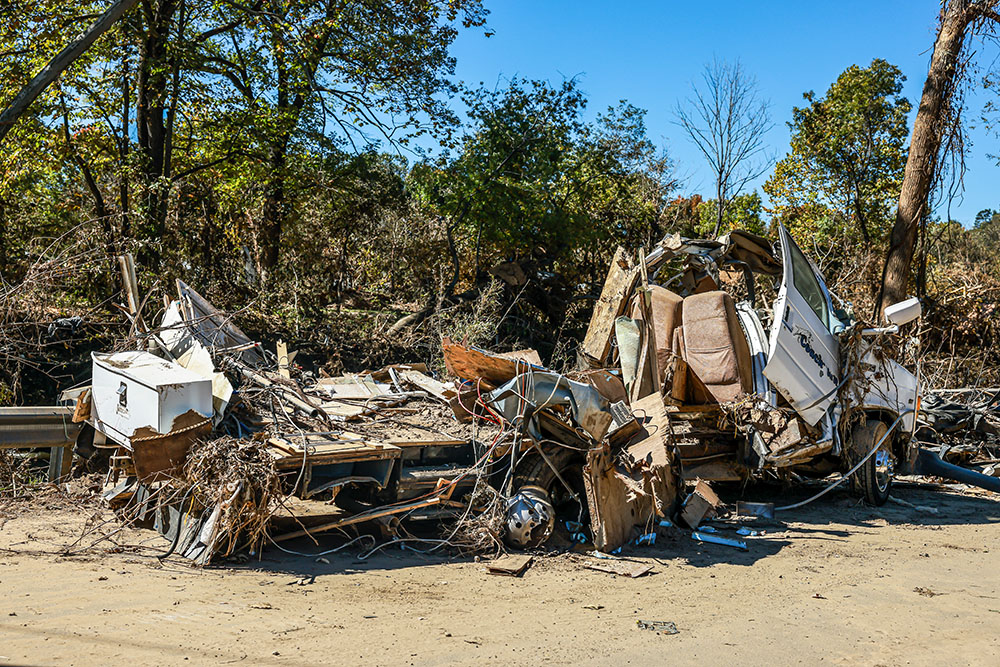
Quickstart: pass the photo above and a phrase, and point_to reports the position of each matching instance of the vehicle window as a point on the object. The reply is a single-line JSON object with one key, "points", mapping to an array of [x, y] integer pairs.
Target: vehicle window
{"points": [[807, 285]]}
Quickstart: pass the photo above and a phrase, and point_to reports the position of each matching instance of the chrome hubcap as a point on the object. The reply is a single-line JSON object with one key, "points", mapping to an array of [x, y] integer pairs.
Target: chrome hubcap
{"points": [[883, 469]]}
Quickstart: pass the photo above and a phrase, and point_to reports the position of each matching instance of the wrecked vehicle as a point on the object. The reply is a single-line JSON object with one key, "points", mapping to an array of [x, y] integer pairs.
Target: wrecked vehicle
{"points": [[791, 386], [689, 373]]}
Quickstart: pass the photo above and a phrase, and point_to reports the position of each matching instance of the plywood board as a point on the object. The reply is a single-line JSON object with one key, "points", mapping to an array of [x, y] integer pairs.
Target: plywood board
{"points": [[614, 297], [509, 566], [471, 363]]}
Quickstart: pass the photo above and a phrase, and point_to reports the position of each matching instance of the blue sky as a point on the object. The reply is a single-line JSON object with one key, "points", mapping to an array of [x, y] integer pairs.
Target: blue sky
{"points": [[649, 52]]}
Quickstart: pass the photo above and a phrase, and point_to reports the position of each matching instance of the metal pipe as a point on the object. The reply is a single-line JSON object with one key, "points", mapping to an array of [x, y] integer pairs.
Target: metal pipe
{"points": [[850, 472], [929, 463]]}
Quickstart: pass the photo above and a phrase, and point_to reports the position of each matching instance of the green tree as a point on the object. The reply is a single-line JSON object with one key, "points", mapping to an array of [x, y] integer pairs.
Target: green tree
{"points": [[742, 212], [844, 170], [532, 181]]}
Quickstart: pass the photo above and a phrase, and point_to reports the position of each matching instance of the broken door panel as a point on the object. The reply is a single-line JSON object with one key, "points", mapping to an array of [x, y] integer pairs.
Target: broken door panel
{"points": [[804, 361]]}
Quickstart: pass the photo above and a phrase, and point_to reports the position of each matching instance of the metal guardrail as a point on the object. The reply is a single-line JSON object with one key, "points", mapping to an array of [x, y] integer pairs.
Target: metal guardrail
{"points": [[37, 426]]}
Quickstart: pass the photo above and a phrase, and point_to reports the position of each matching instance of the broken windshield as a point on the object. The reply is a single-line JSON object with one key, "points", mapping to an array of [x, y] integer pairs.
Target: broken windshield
{"points": [[808, 285]]}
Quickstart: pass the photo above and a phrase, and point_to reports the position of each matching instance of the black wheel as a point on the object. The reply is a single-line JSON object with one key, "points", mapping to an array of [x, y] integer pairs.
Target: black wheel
{"points": [[873, 480], [534, 471]]}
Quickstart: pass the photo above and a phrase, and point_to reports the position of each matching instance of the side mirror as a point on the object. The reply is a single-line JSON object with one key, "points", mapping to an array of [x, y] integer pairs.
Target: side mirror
{"points": [[903, 312]]}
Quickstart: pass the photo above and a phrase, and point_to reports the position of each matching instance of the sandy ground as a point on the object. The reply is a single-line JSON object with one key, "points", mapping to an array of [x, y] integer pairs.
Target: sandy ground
{"points": [[836, 583]]}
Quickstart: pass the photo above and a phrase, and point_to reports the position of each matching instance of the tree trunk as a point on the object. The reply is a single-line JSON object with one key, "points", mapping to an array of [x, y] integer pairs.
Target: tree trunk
{"points": [[151, 125], [125, 229], [718, 206], [3, 237], [859, 211], [274, 208], [288, 110], [925, 142]]}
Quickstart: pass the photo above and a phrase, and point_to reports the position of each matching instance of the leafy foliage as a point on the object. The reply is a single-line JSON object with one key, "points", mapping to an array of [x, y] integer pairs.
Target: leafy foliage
{"points": [[532, 182], [840, 181]]}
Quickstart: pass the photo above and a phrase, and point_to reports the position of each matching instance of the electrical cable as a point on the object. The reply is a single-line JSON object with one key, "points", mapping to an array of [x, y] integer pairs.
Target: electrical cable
{"points": [[850, 472]]}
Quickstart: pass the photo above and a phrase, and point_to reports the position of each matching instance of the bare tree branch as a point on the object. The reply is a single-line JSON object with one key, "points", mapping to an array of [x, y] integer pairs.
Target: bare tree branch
{"points": [[727, 119]]}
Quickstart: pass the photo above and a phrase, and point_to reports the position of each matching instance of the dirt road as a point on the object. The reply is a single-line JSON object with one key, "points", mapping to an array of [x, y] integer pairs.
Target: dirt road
{"points": [[836, 583]]}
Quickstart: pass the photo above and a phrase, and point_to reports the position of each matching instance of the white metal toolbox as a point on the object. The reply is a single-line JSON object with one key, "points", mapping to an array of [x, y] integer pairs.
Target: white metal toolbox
{"points": [[132, 390]]}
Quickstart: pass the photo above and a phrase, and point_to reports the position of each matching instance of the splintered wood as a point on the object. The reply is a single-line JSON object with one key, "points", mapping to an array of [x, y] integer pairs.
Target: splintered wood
{"points": [[611, 304], [621, 568], [471, 363]]}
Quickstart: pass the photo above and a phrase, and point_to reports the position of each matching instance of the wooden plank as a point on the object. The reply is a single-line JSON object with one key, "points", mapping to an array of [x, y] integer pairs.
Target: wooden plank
{"points": [[678, 387], [509, 566], [471, 363], [322, 449], [403, 442], [360, 518], [427, 383], [81, 411], [282, 351], [618, 287], [127, 264]]}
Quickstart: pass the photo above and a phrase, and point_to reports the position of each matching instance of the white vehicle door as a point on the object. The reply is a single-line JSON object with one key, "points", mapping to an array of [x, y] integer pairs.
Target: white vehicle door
{"points": [[803, 363]]}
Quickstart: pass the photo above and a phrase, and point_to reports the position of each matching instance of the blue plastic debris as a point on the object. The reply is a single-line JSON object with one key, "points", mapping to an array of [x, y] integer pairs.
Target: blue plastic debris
{"points": [[702, 536]]}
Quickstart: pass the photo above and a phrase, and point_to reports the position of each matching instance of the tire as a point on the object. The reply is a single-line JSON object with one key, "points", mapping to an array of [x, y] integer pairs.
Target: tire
{"points": [[873, 480], [534, 471]]}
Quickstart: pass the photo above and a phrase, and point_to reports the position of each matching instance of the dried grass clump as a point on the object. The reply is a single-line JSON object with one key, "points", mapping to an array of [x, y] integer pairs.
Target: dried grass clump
{"points": [[15, 476], [239, 477], [480, 530]]}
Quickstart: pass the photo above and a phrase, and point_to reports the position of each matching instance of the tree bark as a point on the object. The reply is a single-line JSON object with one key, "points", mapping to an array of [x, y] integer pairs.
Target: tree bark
{"points": [[925, 143], [718, 206], [124, 229], [277, 162], [57, 65], [274, 208], [151, 125]]}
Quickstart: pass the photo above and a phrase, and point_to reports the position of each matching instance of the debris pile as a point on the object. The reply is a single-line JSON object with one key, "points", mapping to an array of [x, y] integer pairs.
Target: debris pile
{"points": [[963, 427], [705, 361]]}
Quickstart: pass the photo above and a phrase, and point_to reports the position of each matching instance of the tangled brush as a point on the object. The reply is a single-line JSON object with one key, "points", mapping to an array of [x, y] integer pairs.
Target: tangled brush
{"points": [[15, 476], [238, 477], [482, 528]]}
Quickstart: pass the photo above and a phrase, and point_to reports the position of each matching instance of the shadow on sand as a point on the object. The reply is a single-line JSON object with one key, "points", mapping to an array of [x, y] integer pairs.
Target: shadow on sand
{"points": [[834, 517]]}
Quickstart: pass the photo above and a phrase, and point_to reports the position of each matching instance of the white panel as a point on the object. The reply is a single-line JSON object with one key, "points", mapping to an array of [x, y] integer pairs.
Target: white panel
{"points": [[133, 390]]}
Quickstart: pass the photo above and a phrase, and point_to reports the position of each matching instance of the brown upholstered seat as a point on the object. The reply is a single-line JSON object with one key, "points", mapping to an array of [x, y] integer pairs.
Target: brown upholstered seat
{"points": [[666, 310], [714, 346]]}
